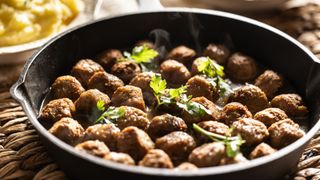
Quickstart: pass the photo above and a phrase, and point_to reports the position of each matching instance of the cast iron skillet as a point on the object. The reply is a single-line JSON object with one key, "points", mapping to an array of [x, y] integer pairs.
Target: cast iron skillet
{"points": [[194, 27]]}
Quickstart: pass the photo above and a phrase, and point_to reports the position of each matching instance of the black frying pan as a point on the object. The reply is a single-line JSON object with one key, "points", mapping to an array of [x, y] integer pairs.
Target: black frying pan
{"points": [[196, 28]]}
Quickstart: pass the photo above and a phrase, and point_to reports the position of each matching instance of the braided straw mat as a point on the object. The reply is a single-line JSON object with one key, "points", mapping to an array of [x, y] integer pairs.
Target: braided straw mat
{"points": [[22, 155]]}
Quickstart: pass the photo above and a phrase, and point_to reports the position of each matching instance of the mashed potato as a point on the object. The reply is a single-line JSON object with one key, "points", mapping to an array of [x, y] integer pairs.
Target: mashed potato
{"points": [[23, 21]]}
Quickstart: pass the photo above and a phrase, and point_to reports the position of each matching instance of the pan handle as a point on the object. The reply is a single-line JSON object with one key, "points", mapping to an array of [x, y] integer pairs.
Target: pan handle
{"points": [[150, 5]]}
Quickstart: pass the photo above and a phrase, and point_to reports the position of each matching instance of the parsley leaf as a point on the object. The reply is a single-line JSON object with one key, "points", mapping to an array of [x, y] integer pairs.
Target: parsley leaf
{"points": [[141, 54], [232, 144], [177, 93], [110, 115], [157, 84]]}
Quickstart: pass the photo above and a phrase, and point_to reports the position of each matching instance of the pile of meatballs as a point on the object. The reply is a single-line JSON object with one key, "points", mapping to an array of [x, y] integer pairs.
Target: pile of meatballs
{"points": [[258, 110]]}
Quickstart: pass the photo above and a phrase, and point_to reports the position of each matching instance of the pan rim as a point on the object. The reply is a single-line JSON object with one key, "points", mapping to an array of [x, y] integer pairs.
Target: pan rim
{"points": [[154, 171]]}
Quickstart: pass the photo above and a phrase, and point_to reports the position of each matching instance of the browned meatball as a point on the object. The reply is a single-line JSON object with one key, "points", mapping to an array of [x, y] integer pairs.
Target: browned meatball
{"points": [[186, 166], [198, 86], [87, 102], [270, 115], [252, 131], [262, 149], [108, 58], [134, 142], [122, 158], [217, 52], [84, 69], [66, 87], [175, 73], [196, 63], [292, 104], [57, 109], [106, 133], [104, 82], [252, 97], [211, 126], [68, 130], [215, 113], [241, 68], [146, 43], [165, 124], [269, 82], [239, 158], [178, 145], [234, 110], [96, 148], [208, 154], [133, 117], [126, 70], [156, 158], [128, 96], [284, 132], [142, 81], [182, 54]]}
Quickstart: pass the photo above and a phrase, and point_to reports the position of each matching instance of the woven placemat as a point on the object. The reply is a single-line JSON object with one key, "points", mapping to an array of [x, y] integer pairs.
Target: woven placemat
{"points": [[22, 155]]}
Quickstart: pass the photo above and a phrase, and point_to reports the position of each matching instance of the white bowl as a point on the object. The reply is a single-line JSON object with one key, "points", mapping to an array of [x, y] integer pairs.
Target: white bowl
{"points": [[246, 5]]}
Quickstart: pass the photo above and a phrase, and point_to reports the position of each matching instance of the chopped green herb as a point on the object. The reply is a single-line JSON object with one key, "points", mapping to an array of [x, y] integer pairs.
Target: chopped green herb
{"points": [[177, 93], [110, 115], [141, 54], [232, 144]]}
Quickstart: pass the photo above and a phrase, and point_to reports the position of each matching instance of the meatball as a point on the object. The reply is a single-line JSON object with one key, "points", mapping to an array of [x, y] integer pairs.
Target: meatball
{"points": [[133, 117], [292, 104], [68, 130], [241, 68], [156, 158], [186, 166], [104, 82], [269, 82], [196, 63], [284, 132], [57, 109], [252, 131], [147, 43], [134, 142], [211, 126], [87, 102], [175, 73], [208, 154], [252, 97], [178, 145], [239, 158], [106, 133], [270, 115], [262, 149], [108, 58], [122, 158], [96, 148], [142, 81], [84, 69], [198, 86], [128, 96], [66, 87], [217, 52], [234, 110], [182, 54], [126, 70], [215, 113], [165, 124]]}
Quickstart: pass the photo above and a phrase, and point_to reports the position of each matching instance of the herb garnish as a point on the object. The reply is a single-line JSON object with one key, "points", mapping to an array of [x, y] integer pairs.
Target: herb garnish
{"points": [[110, 115], [176, 96], [143, 56], [232, 143], [214, 73]]}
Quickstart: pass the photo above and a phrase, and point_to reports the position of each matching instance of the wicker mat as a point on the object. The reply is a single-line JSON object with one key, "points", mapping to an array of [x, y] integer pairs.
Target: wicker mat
{"points": [[22, 155]]}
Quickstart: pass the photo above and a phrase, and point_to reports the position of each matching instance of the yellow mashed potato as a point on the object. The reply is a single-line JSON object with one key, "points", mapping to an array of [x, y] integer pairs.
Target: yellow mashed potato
{"points": [[23, 21]]}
